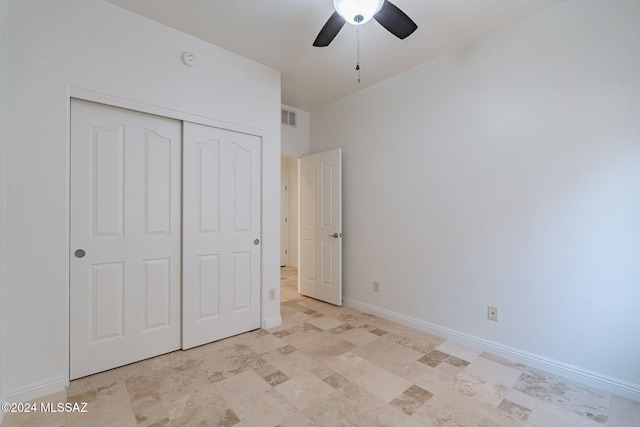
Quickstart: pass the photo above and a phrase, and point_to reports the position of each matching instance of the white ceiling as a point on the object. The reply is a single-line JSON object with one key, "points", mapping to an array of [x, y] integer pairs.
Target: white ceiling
{"points": [[280, 33]]}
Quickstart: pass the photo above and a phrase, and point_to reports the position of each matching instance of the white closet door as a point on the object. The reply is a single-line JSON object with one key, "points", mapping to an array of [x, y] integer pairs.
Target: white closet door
{"points": [[221, 232], [125, 237]]}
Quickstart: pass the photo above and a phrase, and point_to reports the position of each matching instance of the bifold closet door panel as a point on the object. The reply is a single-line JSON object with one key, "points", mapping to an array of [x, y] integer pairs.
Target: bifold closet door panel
{"points": [[125, 237], [221, 233]]}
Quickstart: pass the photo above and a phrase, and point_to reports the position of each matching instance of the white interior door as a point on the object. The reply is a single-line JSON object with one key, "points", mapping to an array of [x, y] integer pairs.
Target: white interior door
{"points": [[221, 232], [320, 183], [284, 221], [125, 237]]}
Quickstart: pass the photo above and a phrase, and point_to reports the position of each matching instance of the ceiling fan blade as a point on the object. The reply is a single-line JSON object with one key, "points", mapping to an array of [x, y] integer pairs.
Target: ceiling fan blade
{"points": [[330, 30], [395, 21]]}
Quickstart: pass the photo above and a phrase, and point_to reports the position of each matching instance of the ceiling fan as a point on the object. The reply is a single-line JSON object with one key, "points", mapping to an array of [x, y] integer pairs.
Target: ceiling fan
{"points": [[358, 12]]}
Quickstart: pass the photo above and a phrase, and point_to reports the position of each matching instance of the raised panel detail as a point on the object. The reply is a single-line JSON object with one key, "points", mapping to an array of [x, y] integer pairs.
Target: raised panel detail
{"points": [[242, 194], [208, 286], [242, 280], [310, 182], [156, 293], [157, 164], [327, 263], [107, 299], [310, 259], [327, 194], [108, 181], [209, 181]]}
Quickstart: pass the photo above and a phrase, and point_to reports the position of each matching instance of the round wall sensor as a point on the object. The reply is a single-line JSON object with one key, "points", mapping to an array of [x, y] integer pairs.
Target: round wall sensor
{"points": [[189, 59]]}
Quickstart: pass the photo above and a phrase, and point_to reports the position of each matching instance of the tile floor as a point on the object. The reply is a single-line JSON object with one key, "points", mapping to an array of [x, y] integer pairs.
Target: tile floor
{"points": [[332, 366]]}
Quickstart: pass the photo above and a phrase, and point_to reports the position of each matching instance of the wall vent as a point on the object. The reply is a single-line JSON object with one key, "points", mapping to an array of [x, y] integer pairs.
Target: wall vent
{"points": [[288, 117]]}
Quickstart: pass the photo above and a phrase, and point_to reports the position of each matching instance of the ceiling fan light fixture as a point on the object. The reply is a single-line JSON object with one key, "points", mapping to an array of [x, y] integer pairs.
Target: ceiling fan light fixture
{"points": [[357, 12]]}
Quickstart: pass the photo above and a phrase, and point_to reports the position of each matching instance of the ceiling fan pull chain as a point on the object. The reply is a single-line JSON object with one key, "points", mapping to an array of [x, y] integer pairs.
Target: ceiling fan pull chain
{"points": [[358, 53]]}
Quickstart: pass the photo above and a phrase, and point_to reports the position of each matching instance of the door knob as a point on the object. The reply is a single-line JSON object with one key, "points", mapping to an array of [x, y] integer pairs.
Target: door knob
{"points": [[79, 253], [334, 235], [256, 242]]}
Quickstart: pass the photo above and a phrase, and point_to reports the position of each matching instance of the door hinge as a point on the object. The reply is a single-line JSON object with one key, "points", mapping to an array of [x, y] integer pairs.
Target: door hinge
{"points": [[286, 252], [286, 220]]}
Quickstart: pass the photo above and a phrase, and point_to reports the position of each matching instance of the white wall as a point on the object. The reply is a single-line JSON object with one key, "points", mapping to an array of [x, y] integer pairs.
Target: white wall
{"points": [[56, 45], [3, 139], [295, 140], [508, 174]]}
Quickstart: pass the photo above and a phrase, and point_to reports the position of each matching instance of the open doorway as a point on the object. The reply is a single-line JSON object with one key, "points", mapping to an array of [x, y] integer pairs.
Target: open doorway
{"points": [[289, 228], [289, 212]]}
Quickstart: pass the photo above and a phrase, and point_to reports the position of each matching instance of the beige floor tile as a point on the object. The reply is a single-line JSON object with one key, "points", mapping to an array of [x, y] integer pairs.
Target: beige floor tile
{"points": [[453, 409], [111, 408], [297, 420], [350, 366], [324, 346], [206, 350], [354, 317], [321, 307], [385, 353], [419, 341], [172, 383], [428, 378], [359, 336], [202, 407], [269, 408], [494, 371], [241, 387], [325, 322], [623, 412], [263, 344], [80, 385], [382, 383], [305, 390], [33, 419], [227, 362], [353, 406], [520, 398], [459, 350], [387, 325], [547, 415], [291, 364], [150, 411], [575, 397], [481, 389], [514, 410], [332, 366], [322, 371], [292, 320], [503, 361], [111, 376]]}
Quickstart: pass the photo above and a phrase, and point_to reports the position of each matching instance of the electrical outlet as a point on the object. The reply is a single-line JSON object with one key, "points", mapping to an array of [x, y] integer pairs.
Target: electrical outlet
{"points": [[492, 313], [376, 286], [272, 294]]}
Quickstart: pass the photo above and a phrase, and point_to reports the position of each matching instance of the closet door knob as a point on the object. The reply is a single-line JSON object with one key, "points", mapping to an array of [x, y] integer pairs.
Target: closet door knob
{"points": [[256, 242], [79, 253]]}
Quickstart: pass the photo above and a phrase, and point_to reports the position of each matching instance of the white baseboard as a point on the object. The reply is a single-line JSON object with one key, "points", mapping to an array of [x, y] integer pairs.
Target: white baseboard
{"points": [[272, 322], [585, 376], [37, 391]]}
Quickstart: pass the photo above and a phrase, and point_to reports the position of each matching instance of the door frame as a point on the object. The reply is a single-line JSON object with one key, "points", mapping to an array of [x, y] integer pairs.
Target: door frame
{"points": [[285, 223], [128, 104]]}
